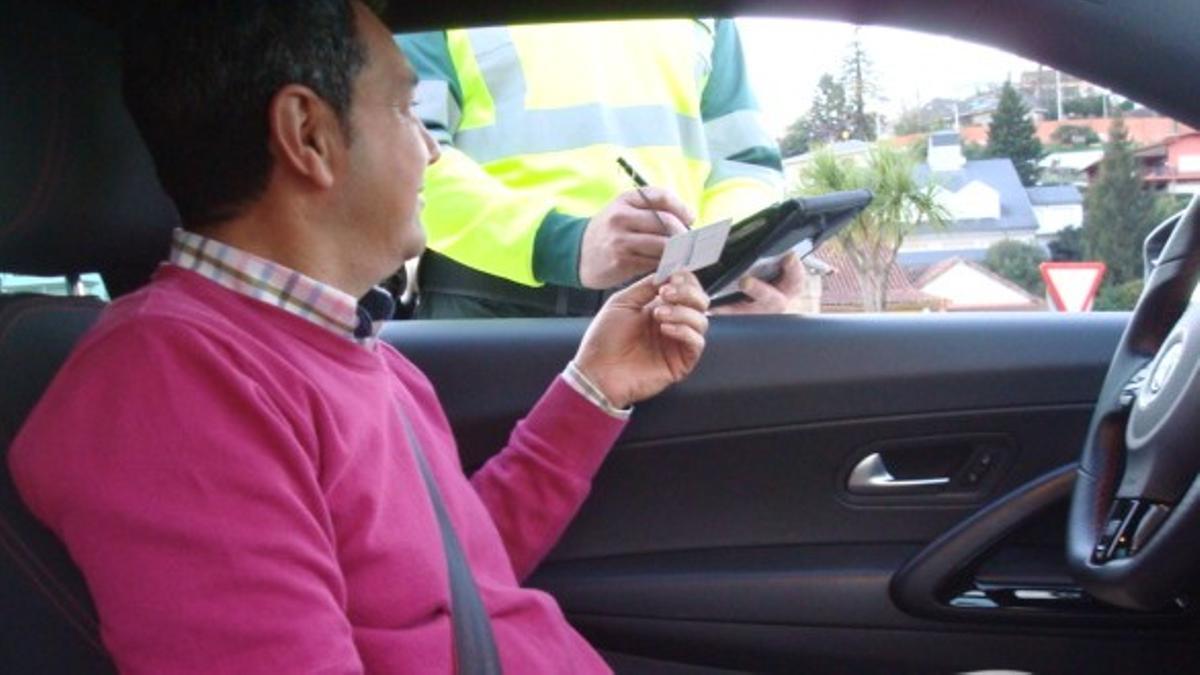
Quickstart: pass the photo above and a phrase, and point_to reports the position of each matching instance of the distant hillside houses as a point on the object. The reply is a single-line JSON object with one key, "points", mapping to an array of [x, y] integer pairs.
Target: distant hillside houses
{"points": [[939, 269], [984, 199], [1171, 165], [951, 285], [1142, 130], [986, 204]]}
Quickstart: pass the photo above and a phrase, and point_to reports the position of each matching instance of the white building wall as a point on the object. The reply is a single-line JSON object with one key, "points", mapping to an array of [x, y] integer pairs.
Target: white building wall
{"points": [[1189, 163], [1184, 188], [956, 241], [976, 200], [1052, 219], [964, 286], [945, 157]]}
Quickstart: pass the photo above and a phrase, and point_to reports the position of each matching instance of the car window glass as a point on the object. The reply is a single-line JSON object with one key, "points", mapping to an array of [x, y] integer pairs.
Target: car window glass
{"points": [[87, 284], [992, 173]]}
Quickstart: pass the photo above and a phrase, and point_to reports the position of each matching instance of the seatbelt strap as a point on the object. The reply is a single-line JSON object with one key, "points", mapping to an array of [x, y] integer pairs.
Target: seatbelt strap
{"points": [[474, 645]]}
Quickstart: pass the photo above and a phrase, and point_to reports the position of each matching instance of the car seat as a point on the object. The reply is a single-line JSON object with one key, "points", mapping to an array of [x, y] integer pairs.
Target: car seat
{"points": [[77, 194]]}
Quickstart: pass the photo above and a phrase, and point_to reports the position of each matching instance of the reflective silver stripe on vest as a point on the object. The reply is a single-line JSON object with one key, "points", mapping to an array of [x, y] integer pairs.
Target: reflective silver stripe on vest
{"points": [[736, 132], [535, 131], [500, 67], [436, 107], [724, 169], [518, 131]]}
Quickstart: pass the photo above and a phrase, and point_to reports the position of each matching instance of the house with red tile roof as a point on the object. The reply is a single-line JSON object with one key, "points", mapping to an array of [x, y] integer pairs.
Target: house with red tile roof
{"points": [[841, 291], [967, 286], [1171, 165], [951, 285], [1142, 130]]}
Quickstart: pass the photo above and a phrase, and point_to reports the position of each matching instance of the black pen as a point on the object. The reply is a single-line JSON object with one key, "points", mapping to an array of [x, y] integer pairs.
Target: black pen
{"points": [[639, 183], [632, 173]]}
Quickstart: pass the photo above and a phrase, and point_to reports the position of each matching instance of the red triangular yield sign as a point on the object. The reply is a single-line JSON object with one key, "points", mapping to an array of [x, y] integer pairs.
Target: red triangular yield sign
{"points": [[1072, 286]]}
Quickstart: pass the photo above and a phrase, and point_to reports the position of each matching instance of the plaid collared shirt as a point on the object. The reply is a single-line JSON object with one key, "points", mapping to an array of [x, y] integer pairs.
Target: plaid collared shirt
{"points": [[320, 303], [282, 287]]}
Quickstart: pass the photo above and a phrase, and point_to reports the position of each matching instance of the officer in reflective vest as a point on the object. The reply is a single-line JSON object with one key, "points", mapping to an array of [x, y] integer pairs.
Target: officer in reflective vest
{"points": [[528, 213]]}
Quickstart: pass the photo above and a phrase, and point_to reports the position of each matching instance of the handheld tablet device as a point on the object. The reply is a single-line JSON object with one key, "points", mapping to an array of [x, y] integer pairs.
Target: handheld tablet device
{"points": [[756, 244]]}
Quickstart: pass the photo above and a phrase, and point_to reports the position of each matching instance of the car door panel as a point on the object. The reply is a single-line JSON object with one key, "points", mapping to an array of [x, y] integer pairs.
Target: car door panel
{"points": [[720, 530]]}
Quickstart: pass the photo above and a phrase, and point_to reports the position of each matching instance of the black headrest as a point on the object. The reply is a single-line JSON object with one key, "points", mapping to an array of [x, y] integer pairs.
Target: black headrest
{"points": [[78, 191]]}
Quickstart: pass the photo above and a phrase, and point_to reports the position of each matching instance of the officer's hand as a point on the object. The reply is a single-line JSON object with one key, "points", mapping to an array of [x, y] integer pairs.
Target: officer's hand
{"points": [[625, 239], [645, 338], [770, 298]]}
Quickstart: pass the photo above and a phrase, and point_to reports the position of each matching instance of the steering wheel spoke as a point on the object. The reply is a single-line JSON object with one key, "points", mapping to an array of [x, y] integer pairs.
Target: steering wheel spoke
{"points": [[1133, 387], [1130, 525]]}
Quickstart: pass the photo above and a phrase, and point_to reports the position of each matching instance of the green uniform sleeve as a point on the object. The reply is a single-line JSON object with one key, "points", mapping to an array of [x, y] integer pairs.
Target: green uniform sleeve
{"points": [[747, 171], [471, 216]]}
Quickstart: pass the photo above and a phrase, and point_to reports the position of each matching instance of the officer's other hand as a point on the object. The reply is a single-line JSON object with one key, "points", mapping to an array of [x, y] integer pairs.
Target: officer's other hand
{"points": [[645, 338], [770, 298], [626, 239]]}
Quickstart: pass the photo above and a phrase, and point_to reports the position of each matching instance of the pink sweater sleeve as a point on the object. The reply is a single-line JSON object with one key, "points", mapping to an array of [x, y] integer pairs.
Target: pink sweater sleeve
{"points": [[226, 561], [536, 485]]}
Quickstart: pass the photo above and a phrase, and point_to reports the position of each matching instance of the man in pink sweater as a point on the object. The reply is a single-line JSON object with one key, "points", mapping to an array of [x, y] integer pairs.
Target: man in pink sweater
{"points": [[233, 458]]}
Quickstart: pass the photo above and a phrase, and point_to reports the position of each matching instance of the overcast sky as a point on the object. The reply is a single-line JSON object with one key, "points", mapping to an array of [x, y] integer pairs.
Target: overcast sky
{"points": [[786, 57]]}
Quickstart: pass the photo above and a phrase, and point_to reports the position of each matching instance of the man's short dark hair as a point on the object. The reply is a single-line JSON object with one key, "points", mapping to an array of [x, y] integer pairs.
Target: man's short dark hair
{"points": [[199, 75]]}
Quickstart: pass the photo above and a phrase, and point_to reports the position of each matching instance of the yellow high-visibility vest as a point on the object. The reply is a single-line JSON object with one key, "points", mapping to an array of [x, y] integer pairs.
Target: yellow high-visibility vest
{"points": [[533, 118]]}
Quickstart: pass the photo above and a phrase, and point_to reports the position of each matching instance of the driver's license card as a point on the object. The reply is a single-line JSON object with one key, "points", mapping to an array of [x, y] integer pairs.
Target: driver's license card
{"points": [[693, 249]]}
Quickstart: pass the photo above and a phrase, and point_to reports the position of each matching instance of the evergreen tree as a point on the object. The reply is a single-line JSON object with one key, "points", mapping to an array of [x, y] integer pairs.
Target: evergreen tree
{"points": [[1018, 262], [1085, 106], [1118, 213], [829, 115], [796, 138], [858, 81], [1068, 245], [1075, 136], [1011, 134]]}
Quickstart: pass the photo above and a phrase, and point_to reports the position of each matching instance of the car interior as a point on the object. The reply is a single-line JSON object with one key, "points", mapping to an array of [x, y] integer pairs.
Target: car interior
{"points": [[826, 494]]}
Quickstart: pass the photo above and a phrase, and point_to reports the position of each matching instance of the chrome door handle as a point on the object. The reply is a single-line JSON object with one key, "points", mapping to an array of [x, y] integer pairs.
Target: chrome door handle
{"points": [[871, 476]]}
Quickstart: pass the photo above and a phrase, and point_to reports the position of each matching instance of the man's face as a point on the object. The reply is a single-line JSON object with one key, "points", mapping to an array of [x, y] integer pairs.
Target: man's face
{"points": [[388, 152]]}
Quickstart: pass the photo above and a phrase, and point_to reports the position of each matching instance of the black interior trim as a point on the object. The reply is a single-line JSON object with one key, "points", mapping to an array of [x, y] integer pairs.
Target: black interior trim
{"points": [[1120, 44], [947, 565], [817, 650], [772, 371], [844, 585]]}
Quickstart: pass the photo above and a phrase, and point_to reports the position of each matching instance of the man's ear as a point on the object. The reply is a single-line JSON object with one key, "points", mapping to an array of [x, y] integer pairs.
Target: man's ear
{"points": [[305, 134]]}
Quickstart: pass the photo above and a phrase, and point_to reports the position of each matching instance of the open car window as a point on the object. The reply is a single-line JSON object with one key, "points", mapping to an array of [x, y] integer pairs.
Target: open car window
{"points": [[986, 166]]}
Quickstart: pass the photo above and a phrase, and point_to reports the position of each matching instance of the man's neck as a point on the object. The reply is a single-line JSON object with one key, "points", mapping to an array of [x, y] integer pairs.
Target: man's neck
{"points": [[292, 239]]}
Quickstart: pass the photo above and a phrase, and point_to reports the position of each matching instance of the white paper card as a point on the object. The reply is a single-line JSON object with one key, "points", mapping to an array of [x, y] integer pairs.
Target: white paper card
{"points": [[675, 255], [693, 249], [710, 241]]}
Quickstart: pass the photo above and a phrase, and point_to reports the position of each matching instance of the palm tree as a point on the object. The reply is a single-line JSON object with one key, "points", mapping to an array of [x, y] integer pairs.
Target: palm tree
{"points": [[901, 203]]}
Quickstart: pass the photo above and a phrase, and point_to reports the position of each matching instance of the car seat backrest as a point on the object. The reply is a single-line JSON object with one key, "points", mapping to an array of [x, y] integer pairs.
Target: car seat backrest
{"points": [[78, 194], [47, 622]]}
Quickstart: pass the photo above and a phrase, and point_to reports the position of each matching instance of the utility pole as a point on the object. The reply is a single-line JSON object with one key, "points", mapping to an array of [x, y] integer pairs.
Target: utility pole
{"points": [[1058, 91]]}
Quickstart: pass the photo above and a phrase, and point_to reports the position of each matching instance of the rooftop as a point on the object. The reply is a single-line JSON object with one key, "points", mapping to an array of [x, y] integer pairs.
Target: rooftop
{"points": [[1016, 211], [1054, 195]]}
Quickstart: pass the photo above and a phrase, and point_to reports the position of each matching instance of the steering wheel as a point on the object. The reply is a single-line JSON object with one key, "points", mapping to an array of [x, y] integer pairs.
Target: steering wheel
{"points": [[1133, 536]]}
